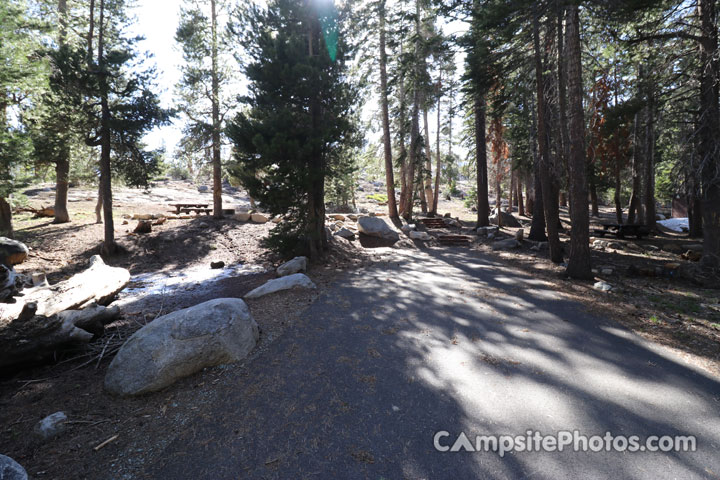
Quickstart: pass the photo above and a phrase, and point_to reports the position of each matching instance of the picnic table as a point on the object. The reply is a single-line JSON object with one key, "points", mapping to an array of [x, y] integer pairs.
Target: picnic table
{"points": [[192, 207], [620, 230]]}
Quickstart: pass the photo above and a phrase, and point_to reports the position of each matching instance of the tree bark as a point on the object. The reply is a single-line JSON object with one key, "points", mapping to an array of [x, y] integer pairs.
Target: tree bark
{"points": [[483, 207], [109, 247], [415, 146], [548, 192], [427, 171], [634, 207], [216, 162], [438, 161], [387, 139], [579, 263], [62, 162], [519, 195], [710, 126], [649, 165], [618, 188], [6, 228]]}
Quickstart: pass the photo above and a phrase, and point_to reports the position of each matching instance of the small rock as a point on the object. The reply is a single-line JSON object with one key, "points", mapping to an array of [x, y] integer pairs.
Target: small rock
{"points": [[602, 286], [124, 222], [242, 217], [519, 235], [160, 221], [337, 216], [203, 188], [259, 218], [296, 280], [408, 227], [692, 256], [296, 265], [606, 271], [353, 217], [11, 470], [143, 226], [539, 246], [51, 426], [141, 216], [12, 252], [508, 244], [276, 220], [672, 248], [345, 233], [422, 236], [217, 265]]}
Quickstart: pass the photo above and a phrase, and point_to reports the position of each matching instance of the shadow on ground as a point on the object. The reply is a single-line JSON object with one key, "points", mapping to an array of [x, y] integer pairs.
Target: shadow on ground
{"points": [[446, 340]]}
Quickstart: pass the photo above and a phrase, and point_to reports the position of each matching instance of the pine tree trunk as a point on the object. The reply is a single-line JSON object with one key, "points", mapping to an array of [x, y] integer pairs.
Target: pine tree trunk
{"points": [[427, 171], [548, 192], [618, 188], [404, 187], [415, 146], [594, 198], [511, 193], [387, 139], [519, 196], [6, 228], [710, 126], [649, 170], [695, 229], [579, 263], [216, 162], [483, 207], [62, 161], [109, 247], [438, 161], [537, 227]]}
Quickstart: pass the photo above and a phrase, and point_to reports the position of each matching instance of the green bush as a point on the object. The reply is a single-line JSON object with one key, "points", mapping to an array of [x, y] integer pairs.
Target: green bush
{"points": [[378, 197]]}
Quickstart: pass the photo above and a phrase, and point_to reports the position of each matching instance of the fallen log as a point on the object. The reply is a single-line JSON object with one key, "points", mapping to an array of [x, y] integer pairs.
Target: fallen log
{"points": [[98, 284], [32, 338]]}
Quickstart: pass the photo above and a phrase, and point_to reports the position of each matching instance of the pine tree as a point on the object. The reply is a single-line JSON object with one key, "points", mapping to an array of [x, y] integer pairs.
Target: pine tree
{"points": [[201, 90], [297, 121]]}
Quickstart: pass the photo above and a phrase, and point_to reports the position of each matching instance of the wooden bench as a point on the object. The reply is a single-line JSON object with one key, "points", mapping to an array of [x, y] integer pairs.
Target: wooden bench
{"points": [[622, 230], [180, 207], [198, 210]]}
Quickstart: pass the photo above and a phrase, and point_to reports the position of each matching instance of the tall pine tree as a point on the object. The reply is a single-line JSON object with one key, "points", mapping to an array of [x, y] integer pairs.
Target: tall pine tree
{"points": [[298, 117]]}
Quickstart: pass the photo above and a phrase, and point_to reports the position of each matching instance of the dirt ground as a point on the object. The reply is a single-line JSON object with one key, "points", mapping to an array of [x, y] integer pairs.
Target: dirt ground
{"points": [[674, 312]]}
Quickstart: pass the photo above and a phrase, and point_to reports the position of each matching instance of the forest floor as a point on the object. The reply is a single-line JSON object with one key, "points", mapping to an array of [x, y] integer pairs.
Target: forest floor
{"points": [[170, 269]]}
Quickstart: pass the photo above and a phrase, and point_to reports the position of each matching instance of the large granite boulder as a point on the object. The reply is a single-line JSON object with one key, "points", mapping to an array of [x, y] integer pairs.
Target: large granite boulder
{"points": [[377, 227], [181, 343], [508, 220], [12, 252], [296, 280], [296, 265]]}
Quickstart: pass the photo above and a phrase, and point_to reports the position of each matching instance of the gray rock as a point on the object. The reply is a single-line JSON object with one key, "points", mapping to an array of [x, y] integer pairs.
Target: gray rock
{"points": [[51, 426], [509, 244], [12, 252], [453, 222], [345, 233], [508, 220], [539, 246], [408, 228], [602, 286], [485, 231], [181, 343], [423, 236], [217, 265], [296, 280], [11, 470], [296, 265], [377, 227], [259, 218], [203, 188]]}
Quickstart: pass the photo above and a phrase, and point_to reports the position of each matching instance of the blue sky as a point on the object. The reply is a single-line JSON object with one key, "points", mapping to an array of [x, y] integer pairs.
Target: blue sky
{"points": [[157, 21]]}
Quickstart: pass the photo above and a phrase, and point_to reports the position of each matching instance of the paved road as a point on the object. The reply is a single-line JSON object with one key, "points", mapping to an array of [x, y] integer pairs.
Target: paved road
{"points": [[443, 341]]}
